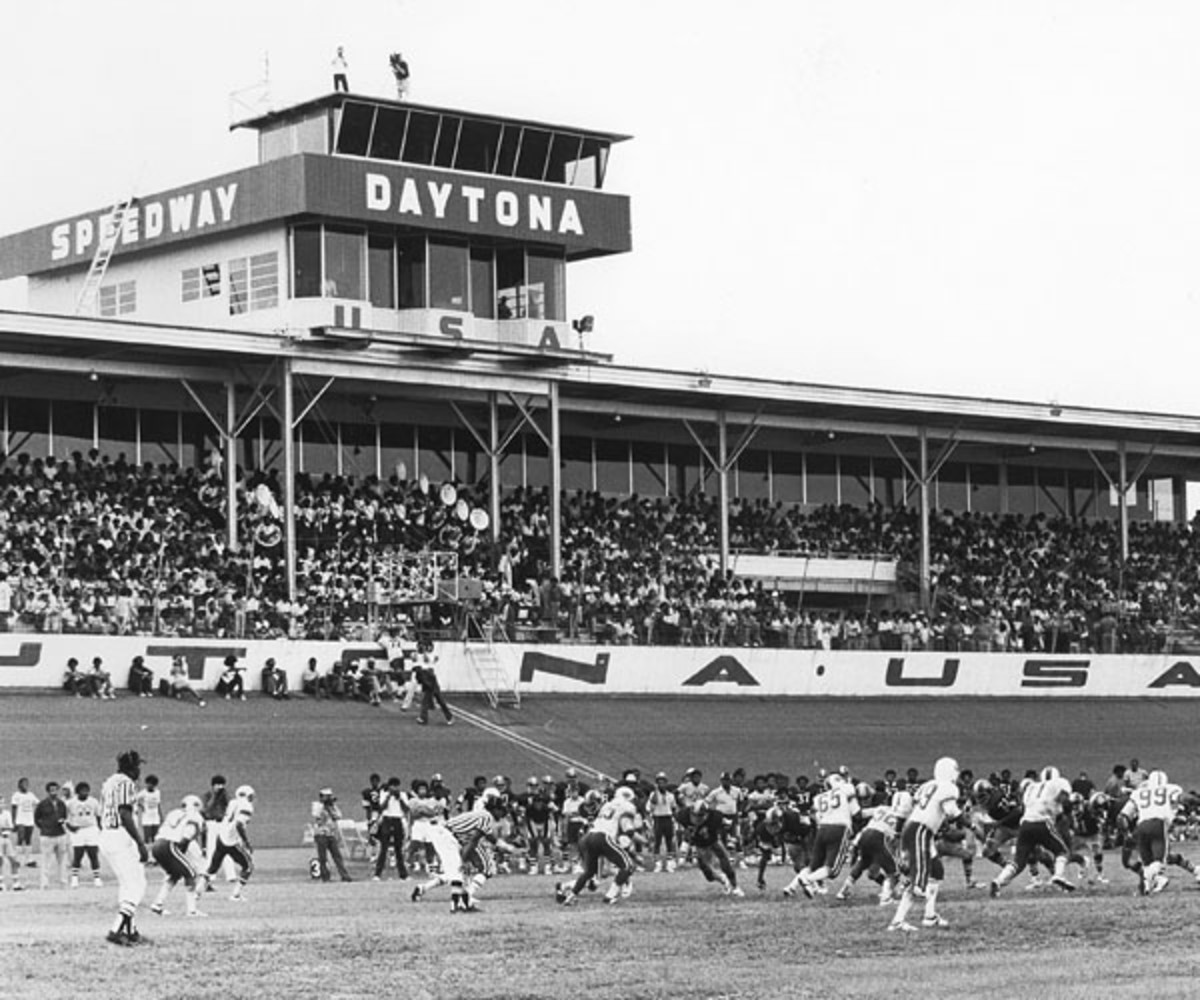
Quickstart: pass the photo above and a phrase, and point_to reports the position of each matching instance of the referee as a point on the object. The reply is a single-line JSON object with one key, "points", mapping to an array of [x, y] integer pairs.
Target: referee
{"points": [[122, 845]]}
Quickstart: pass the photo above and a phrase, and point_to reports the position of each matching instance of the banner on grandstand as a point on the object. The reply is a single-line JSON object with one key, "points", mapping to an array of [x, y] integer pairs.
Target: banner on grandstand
{"points": [[38, 661]]}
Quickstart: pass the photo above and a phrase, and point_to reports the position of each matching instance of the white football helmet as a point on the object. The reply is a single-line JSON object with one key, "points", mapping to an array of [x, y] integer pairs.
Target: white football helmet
{"points": [[192, 803], [1050, 773], [1156, 778], [244, 792], [624, 793], [981, 789], [946, 769]]}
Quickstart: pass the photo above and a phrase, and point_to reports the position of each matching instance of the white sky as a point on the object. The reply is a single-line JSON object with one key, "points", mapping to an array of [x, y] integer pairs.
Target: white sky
{"points": [[984, 199]]}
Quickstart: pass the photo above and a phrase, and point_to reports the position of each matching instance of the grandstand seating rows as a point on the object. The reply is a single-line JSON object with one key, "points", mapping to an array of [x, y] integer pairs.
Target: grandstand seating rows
{"points": [[98, 544]]}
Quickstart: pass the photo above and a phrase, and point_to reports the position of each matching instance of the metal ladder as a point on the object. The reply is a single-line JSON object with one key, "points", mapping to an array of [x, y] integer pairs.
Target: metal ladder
{"points": [[498, 684], [111, 226]]}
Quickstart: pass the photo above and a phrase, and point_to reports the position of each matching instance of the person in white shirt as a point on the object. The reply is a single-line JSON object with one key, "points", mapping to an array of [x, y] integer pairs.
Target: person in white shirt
{"points": [[340, 68], [23, 803]]}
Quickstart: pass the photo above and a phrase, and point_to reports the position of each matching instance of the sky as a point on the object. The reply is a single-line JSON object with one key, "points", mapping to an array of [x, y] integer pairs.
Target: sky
{"points": [[980, 199]]}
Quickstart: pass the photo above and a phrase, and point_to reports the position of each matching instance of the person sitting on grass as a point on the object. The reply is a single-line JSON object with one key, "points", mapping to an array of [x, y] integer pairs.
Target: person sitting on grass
{"points": [[102, 685], [181, 685], [75, 681], [230, 683], [141, 678]]}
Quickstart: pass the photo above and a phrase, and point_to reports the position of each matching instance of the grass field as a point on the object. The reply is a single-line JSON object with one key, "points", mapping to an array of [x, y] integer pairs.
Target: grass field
{"points": [[675, 937]]}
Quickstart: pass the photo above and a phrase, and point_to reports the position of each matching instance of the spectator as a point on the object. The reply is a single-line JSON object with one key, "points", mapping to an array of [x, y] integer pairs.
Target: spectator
{"points": [[181, 685], [102, 685], [274, 680], [141, 679], [431, 688], [230, 684], [76, 682], [312, 681]]}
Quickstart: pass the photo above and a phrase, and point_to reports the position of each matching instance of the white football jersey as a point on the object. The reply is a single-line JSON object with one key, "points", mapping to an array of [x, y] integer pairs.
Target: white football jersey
{"points": [[1157, 801], [237, 815], [1043, 800], [181, 826], [934, 803], [836, 806], [889, 818], [616, 817]]}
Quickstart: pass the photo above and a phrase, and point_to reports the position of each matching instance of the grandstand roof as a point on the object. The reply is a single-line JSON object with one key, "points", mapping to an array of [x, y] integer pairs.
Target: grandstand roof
{"points": [[429, 366]]}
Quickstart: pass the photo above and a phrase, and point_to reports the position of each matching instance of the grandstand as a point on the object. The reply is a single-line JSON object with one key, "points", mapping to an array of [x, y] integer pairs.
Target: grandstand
{"points": [[342, 385]]}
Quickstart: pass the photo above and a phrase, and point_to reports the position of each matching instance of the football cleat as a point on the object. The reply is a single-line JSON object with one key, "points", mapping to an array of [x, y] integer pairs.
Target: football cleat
{"points": [[789, 891], [935, 921], [627, 890], [1062, 883], [417, 894], [806, 887], [886, 900], [119, 938], [843, 893], [902, 925], [157, 908], [994, 890], [1160, 883], [739, 892]]}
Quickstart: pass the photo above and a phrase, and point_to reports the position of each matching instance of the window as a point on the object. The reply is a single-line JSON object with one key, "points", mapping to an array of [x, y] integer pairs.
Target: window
{"points": [[354, 135], [306, 262], [412, 272], [118, 299], [381, 271], [483, 283], [544, 290], [343, 264], [201, 282], [510, 283], [447, 276], [253, 283]]}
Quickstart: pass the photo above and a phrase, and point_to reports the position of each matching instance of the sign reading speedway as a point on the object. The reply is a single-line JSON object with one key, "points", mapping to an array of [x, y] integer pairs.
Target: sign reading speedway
{"points": [[38, 661]]}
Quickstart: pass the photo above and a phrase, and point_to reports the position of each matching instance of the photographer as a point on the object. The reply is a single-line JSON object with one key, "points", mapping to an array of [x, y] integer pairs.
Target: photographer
{"points": [[326, 834]]}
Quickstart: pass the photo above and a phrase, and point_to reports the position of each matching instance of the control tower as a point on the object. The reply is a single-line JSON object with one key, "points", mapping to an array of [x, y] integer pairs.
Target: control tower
{"points": [[363, 219]]}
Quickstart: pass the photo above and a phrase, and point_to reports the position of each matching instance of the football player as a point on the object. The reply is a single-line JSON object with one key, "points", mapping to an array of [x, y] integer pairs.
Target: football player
{"points": [[835, 809], [233, 841], [709, 829], [1087, 834], [934, 803], [875, 844], [1043, 802], [1151, 810], [176, 849], [610, 838]]}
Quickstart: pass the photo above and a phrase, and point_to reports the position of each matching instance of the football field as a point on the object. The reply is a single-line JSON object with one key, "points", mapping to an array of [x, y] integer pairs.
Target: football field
{"points": [[675, 936]]}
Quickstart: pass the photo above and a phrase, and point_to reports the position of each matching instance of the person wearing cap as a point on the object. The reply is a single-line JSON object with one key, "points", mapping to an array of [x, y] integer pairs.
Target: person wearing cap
{"points": [[122, 846], [661, 806], [327, 834]]}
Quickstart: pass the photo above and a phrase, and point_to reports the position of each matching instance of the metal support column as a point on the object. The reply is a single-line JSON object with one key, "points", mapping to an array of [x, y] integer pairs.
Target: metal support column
{"points": [[287, 422], [923, 493], [723, 489], [230, 442], [494, 464], [555, 485], [1123, 487]]}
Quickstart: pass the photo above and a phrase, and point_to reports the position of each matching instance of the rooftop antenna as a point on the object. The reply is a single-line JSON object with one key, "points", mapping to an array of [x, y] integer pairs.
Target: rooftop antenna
{"points": [[254, 100]]}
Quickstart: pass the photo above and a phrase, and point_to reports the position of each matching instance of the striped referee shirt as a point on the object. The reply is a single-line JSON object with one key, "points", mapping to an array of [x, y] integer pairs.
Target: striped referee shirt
{"points": [[119, 790], [465, 826]]}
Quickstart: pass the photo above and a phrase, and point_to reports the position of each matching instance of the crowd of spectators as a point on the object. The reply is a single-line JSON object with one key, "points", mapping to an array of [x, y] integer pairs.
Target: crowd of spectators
{"points": [[102, 545]]}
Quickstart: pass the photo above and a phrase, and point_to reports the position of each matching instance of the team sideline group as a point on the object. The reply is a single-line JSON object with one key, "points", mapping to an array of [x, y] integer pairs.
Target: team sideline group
{"points": [[896, 830]]}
